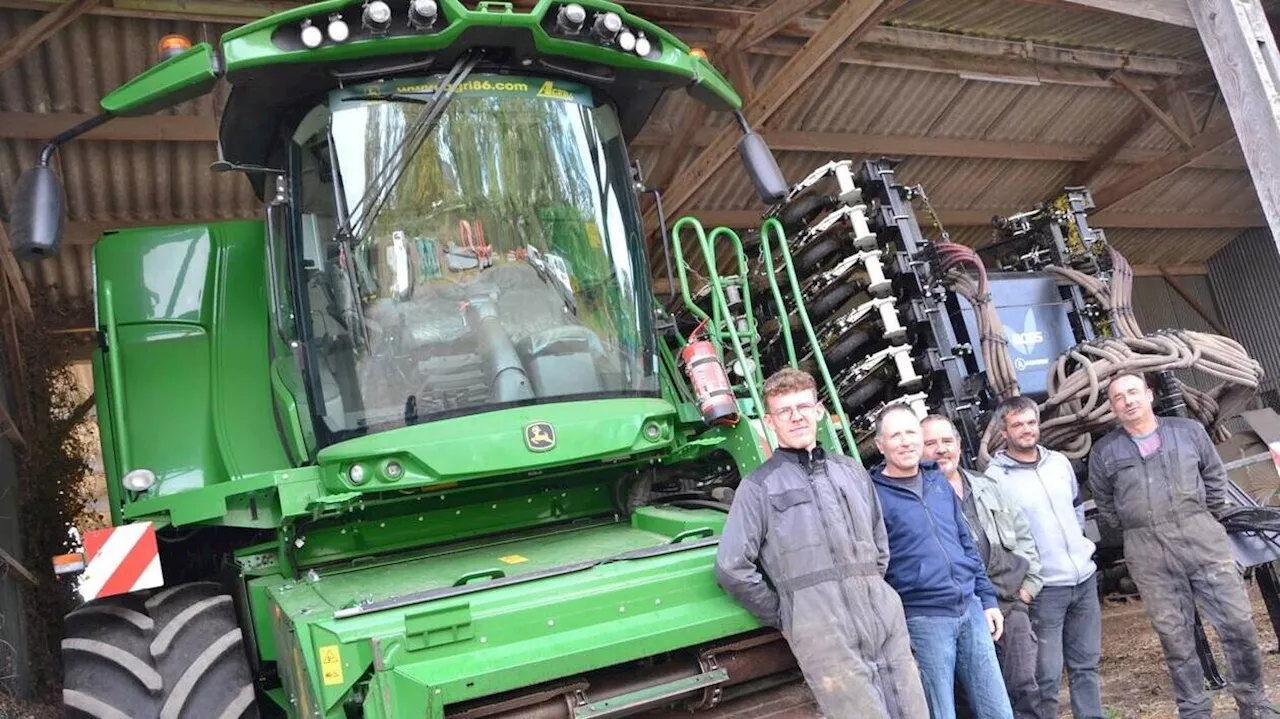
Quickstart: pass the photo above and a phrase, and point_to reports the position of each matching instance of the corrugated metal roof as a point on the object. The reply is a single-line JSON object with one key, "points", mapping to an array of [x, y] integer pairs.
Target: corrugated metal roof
{"points": [[123, 182], [1044, 23]]}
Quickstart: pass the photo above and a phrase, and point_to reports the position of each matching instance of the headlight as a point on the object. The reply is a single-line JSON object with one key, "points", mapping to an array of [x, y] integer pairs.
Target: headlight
{"points": [[422, 13], [338, 29], [311, 35], [571, 17], [357, 474], [139, 480], [377, 16]]}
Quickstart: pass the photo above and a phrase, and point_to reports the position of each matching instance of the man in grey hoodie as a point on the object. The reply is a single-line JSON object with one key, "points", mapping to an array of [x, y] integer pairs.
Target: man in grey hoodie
{"points": [[1066, 615]]}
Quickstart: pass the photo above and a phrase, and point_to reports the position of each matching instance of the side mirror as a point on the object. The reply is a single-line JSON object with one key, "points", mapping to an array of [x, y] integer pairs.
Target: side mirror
{"points": [[38, 214], [761, 165]]}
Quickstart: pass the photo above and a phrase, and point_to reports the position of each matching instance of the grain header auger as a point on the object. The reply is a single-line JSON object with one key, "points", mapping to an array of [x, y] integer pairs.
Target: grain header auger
{"points": [[411, 444]]}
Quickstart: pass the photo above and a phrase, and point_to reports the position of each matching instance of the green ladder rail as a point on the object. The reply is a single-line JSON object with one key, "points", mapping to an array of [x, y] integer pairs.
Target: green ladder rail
{"points": [[723, 321], [722, 325], [773, 226]]}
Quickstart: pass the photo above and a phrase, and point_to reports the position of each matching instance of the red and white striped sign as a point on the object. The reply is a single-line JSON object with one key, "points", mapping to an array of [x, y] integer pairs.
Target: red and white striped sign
{"points": [[120, 560]]}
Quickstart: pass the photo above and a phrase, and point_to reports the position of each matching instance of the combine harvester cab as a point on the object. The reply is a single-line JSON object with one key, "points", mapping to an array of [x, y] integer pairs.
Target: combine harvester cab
{"points": [[418, 442]]}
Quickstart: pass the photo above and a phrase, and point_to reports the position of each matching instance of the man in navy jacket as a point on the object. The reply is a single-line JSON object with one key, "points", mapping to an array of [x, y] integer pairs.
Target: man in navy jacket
{"points": [[951, 607]]}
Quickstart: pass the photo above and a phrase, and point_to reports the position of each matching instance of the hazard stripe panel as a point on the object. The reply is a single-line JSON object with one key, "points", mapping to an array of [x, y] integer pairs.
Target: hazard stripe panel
{"points": [[120, 560]]}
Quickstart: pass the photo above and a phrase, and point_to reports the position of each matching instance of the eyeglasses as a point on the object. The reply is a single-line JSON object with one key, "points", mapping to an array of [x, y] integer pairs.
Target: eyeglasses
{"points": [[800, 411]]}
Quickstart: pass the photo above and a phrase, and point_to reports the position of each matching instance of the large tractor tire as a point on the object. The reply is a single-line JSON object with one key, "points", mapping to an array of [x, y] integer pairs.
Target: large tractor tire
{"points": [[177, 654]]}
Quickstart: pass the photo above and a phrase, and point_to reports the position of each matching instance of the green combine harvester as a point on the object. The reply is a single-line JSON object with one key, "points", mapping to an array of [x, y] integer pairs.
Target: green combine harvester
{"points": [[419, 442]]}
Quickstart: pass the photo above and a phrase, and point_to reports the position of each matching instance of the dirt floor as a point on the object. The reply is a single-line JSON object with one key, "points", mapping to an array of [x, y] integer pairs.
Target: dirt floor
{"points": [[1134, 680]]}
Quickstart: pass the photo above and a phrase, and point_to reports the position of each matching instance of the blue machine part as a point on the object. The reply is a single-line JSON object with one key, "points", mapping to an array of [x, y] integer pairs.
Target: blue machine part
{"points": [[1036, 325]]}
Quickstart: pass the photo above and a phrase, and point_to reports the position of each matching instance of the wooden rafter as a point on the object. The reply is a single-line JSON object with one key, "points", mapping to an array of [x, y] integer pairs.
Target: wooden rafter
{"points": [[775, 16], [13, 275], [853, 143], [1156, 112], [1084, 174], [152, 128], [44, 28], [1144, 175], [852, 17], [1194, 304]]}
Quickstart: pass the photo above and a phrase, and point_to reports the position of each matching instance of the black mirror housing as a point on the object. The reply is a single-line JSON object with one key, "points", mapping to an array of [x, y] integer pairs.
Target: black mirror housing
{"points": [[35, 229], [758, 159]]}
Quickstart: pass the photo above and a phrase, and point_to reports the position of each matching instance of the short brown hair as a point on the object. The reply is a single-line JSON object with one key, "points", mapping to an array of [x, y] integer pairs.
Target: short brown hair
{"points": [[787, 381], [888, 411], [1016, 404]]}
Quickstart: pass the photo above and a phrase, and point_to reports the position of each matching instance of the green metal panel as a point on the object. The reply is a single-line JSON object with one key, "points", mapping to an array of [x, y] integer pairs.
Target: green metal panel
{"points": [[251, 45], [492, 444], [191, 74], [187, 330], [498, 638]]}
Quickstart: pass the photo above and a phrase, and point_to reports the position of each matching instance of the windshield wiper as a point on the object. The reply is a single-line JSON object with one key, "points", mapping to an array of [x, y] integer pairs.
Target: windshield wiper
{"points": [[379, 188], [414, 99]]}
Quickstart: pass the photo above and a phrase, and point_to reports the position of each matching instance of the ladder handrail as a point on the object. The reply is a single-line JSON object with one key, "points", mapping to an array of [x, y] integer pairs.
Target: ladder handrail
{"points": [[719, 303], [772, 224]]}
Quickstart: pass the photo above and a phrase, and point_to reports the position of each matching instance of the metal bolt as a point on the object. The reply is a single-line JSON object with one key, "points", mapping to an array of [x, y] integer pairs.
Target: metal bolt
{"points": [[622, 609], [551, 622], [658, 602], [484, 640]]}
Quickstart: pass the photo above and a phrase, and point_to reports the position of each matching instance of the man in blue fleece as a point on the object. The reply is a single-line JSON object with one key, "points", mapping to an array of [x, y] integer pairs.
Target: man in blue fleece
{"points": [[952, 611]]}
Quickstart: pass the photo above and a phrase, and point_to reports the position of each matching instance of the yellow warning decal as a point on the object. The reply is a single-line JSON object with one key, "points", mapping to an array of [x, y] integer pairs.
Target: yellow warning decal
{"points": [[331, 664], [513, 559]]}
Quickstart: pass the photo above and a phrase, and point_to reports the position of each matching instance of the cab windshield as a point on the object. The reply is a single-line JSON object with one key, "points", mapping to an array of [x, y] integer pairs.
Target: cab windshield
{"points": [[486, 259]]}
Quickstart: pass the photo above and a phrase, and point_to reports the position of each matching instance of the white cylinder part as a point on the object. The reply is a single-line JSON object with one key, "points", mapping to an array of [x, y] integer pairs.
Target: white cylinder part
{"points": [[878, 285], [893, 329], [844, 179], [863, 237], [907, 376]]}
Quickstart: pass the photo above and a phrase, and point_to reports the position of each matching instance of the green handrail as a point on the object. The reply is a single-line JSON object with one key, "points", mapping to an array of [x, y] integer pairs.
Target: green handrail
{"points": [[116, 373], [719, 303], [772, 224]]}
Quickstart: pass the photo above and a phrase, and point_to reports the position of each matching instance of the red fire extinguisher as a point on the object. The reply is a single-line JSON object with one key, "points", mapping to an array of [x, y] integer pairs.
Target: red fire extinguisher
{"points": [[710, 381]]}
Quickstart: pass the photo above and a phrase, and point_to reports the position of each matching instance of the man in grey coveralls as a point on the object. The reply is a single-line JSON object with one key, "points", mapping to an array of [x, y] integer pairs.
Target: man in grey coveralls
{"points": [[1160, 480], [804, 550]]}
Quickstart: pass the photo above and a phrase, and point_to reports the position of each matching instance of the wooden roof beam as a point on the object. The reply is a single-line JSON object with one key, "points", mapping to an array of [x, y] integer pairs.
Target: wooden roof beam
{"points": [[849, 19], [849, 143], [1110, 151], [1144, 175], [44, 28], [151, 128], [13, 274], [1153, 109]]}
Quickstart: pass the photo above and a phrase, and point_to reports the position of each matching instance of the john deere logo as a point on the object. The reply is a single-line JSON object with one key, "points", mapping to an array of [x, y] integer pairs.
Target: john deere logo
{"points": [[539, 436]]}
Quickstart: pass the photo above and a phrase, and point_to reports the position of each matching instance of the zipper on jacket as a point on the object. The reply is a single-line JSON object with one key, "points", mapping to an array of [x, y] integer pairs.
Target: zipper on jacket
{"points": [[951, 569], [1066, 544]]}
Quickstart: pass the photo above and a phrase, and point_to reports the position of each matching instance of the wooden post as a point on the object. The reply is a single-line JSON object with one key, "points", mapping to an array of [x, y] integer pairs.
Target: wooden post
{"points": [[1242, 50]]}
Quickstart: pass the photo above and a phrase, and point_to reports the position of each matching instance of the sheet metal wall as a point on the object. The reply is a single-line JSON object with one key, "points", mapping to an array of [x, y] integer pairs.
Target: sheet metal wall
{"points": [[1158, 307], [1245, 277]]}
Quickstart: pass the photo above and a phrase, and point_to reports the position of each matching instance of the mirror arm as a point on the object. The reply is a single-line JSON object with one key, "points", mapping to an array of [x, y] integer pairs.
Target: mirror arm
{"points": [[46, 153], [742, 122]]}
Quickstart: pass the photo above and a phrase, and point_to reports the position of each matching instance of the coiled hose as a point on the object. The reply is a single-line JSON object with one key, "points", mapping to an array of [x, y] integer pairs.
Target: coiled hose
{"points": [[1077, 405]]}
